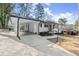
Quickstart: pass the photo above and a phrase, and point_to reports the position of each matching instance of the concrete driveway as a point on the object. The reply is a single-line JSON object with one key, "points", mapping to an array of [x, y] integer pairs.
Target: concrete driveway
{"points": [[10, 46], [45, 46], [30, 45]]}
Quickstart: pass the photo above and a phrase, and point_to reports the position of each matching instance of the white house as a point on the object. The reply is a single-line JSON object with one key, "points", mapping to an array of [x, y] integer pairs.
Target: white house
{"points": [[30, 25]]}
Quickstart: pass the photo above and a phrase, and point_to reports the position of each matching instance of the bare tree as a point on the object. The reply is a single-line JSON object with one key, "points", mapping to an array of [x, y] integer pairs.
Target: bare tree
{"points": [[62, 22], [39, 11]]}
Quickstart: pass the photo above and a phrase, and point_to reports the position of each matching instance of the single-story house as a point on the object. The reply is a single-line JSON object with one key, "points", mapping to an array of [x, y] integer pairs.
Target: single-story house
{"points": [[31, 25]]}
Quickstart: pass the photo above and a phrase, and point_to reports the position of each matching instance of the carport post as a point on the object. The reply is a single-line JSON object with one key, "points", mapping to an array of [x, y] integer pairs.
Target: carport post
{"points": [[18, 29], [58, 33]]}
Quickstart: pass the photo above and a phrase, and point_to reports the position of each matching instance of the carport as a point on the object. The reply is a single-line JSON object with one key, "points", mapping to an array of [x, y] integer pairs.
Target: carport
{"points": [[19, 23]]}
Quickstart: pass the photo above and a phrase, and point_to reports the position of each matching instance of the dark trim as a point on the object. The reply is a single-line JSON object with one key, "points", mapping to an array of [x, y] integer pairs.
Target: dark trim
{"points": [[21, 17], [18, 29], [17, 16]]}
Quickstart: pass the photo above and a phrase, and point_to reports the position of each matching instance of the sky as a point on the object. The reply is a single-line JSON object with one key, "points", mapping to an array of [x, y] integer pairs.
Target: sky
{"points": [[59, 10], [62, 7]]}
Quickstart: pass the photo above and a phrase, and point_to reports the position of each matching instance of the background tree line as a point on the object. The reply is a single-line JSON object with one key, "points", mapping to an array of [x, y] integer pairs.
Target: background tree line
{"points": [[24, 10]]}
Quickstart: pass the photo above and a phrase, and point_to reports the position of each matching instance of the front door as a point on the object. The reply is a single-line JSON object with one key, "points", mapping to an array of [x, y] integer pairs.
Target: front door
{"points": [[50, 28]]}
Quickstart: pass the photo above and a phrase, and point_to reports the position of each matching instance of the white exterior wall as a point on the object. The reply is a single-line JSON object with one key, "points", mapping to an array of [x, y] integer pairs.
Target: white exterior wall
{"points": [[13, 23], [26, 27], [24, 22], [36, 27], [43, 29], [33, 27]]}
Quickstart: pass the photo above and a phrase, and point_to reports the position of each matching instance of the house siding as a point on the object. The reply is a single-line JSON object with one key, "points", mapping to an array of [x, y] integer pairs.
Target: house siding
{"points": [[43, 29]]}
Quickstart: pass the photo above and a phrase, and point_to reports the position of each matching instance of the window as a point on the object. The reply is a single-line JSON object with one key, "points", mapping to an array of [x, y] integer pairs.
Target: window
{"points": [[45, 25]]}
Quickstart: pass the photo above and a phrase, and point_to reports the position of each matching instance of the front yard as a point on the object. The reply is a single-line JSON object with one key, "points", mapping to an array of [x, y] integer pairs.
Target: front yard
{"points": [[70, 43]]}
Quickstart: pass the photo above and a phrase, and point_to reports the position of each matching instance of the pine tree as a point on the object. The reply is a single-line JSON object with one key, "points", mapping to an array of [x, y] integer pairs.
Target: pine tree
{"points": [[5, 8]]}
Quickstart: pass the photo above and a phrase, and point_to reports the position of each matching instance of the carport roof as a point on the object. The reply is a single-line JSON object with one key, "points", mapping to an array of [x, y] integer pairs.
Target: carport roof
{"points": [[22, 17]]}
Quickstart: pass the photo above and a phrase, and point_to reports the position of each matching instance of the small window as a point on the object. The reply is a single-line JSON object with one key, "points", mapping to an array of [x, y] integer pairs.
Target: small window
{"points": [[45, 25]]}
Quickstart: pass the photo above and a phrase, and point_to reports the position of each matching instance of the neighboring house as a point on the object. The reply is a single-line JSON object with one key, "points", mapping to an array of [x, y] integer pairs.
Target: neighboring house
{"points": [[30, 25]]}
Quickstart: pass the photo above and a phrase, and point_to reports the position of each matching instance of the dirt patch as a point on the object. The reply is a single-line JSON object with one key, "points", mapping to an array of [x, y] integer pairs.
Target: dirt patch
{"points": [[69, 43]]}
